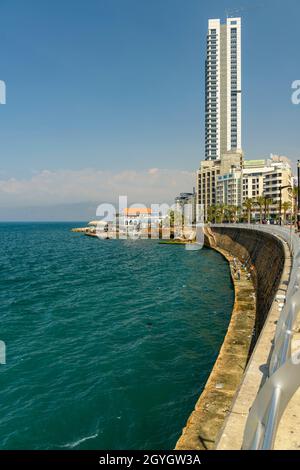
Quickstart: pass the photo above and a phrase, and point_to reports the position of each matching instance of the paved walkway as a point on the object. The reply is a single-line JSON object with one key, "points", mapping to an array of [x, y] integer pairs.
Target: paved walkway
{"points": [[255, 375]]}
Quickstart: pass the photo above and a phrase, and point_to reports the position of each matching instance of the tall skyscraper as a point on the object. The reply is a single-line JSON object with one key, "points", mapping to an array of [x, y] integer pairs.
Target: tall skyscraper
{"points": [[223, 140], [223, 88], [224, 178]]}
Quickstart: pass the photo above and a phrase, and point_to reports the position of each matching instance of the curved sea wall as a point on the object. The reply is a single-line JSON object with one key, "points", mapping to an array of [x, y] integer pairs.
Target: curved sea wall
{"points": [[266, 254], [235, 378]]}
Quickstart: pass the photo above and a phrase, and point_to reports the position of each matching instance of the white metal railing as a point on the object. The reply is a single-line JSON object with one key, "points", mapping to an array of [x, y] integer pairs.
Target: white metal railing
{"points": [[284, 368]]}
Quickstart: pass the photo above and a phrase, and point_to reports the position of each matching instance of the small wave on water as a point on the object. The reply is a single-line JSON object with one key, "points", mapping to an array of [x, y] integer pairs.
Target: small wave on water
{"points": [[72, 445], [96, 330]]}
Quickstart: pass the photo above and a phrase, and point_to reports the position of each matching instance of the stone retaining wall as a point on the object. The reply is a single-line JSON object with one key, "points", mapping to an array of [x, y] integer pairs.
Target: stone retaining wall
{"points": [[265, 256], [266, 253]]}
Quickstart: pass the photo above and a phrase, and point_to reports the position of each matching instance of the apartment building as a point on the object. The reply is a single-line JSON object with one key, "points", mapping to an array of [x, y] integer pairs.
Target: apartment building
{"points": [[223, 140], [223, 88]]}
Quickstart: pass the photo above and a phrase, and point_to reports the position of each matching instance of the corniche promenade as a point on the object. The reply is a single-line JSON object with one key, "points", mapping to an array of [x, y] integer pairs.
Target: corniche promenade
{"points": [[244, 377]]}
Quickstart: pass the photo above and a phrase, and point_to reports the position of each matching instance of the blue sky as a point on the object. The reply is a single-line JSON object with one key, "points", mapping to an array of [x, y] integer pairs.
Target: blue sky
{"points": [[118, 86]]}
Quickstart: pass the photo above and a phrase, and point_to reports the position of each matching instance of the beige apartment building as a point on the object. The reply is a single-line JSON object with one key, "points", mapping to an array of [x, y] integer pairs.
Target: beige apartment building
{"points": [[253, 178], [207, 177], [265, 178], [213, 177], [279, 177], [232, 180]]}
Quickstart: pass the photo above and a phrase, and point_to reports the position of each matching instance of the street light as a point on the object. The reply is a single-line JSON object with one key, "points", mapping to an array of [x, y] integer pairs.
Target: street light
{"points": [[280, 191]]}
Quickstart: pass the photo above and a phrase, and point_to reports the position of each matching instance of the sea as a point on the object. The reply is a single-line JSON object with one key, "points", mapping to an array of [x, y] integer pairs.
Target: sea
{"points": [[109, 343]]}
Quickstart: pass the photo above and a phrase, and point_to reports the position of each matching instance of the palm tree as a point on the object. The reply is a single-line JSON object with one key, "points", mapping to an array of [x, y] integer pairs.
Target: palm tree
{"points": [[175, 221], [285, 207], [248, 203], [220, 209], [239, 213], [295, 203], [171, 217], [227, 213], [260, 201], [267, 203], [211, 214], [232, 213]]}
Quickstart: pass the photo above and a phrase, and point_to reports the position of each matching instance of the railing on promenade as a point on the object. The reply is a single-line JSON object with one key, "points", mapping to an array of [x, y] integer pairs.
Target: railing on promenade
{"points": [[284, 368]]}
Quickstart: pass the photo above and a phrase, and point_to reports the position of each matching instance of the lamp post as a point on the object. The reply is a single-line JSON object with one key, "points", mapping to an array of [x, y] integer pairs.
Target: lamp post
{"points": [[280, 198]]}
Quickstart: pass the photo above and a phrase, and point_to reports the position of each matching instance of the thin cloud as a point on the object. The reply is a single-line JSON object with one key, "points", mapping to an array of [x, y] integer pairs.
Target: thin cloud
{"points": [[77, 186]]}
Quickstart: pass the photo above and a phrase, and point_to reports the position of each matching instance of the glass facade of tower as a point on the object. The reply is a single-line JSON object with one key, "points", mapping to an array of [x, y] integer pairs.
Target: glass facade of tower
{"points": [[223, 88], [233, 65], [211, 98]]}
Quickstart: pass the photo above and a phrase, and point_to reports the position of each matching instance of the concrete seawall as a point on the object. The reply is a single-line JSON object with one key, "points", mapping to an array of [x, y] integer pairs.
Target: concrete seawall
{"points": [[267, 256], [220, 414]]}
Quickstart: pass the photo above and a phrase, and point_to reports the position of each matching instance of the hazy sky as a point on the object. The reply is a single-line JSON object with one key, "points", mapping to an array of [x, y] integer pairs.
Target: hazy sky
{"points": [[107, 96]]}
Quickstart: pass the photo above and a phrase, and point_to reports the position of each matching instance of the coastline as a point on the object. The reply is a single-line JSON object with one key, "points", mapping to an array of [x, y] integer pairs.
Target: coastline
{"points": [[207, 419]]}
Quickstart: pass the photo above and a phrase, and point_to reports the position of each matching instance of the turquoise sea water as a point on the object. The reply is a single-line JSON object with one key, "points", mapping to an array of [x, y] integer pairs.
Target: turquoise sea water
{"points": [[109, 343]]}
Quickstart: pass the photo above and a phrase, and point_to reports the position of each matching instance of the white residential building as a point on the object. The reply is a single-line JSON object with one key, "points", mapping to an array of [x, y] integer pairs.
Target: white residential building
{"points": [[223, 88], [254, 172], [229, 188], [257, 178]]}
